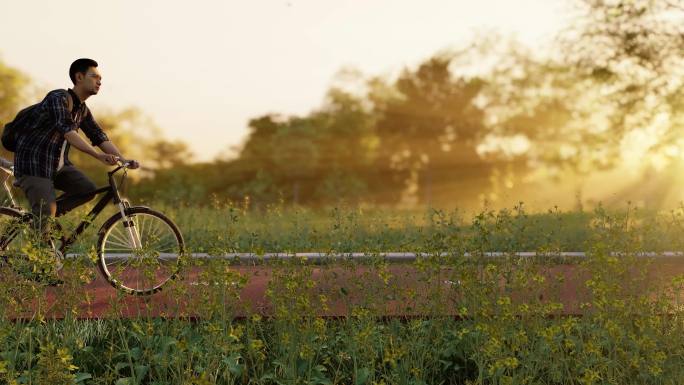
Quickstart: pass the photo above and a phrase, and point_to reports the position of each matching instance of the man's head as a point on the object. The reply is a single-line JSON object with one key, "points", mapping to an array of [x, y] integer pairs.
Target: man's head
{"points": [[85, 76]]}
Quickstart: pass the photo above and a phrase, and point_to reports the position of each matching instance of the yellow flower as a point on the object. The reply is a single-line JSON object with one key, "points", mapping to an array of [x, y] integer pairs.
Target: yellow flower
{"points": [[256, 344], [655, 370], [569, 344], [306, 352], [319, 326], [590, 377], [511, 362]]}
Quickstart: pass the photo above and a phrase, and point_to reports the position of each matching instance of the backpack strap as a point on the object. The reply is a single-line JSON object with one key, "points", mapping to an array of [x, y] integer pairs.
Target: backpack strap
{"points": [[70, 102]]}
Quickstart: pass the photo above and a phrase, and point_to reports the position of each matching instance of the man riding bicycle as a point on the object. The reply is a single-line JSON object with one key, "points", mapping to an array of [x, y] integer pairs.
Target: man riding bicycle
{"points": [[41, 159], [139, 249]]}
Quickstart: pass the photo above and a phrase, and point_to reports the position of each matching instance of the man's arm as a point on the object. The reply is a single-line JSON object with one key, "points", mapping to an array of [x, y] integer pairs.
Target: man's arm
{"points": [[77, 141], [98, 138], [109, 148]]}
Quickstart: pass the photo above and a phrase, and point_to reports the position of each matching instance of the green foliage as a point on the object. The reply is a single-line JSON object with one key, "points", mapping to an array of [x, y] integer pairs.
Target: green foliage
{"points": [[13, 89], [464, 319], [13, 85]]}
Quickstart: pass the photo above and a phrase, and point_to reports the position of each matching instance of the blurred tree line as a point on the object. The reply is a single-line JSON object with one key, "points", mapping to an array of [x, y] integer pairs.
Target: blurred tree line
{"points": [[461, 127]]}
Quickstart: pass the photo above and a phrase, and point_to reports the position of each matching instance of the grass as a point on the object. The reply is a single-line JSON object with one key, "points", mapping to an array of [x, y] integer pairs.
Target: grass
{"points": [[504, 322], [222, 228]]}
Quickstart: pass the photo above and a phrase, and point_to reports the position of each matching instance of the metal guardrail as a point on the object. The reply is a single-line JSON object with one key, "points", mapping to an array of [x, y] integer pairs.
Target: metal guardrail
{"points": [[396, 256]]}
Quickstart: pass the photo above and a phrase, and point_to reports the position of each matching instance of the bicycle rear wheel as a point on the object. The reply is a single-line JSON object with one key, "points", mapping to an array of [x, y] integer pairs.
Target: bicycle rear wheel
{"points": [[22, 250], [140, 266], [14, 235]]}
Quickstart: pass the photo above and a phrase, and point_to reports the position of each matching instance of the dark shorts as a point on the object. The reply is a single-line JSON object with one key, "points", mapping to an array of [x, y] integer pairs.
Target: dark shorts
{"points": [[41, 192]]}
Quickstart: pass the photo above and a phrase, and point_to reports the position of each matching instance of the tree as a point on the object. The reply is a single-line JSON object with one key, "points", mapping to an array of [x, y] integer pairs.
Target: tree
{"points": [[135, 135], [316, 158], [429, 131], [13, 87], [167, 154], [630, 52], [13, 84]]}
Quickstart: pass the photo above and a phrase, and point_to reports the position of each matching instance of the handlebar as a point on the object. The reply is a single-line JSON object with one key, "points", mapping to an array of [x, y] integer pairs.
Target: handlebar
{"points": [[121, 165], [8, 167]]}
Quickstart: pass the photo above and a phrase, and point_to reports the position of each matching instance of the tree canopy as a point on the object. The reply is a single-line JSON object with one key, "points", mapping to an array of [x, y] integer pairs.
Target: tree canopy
{"points": [[437, 133]]}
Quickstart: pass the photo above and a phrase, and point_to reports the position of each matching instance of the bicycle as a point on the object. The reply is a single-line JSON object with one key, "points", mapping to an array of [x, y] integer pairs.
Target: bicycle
{"points": [[139, 249]]}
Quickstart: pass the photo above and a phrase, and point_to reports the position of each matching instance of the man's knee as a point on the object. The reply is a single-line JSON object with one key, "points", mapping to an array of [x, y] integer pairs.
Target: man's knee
{"points": [[73, 182], [86, 186], [40, 194]]}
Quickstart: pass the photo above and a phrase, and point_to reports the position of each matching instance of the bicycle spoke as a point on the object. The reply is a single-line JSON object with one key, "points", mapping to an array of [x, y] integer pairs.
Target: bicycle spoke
{"points": [[157, 243], [123, 239], [124, 246], [147, 268]]}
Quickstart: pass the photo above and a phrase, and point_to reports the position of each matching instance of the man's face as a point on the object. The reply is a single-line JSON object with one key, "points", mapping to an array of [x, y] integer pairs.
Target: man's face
{"points": [[90, 81]]}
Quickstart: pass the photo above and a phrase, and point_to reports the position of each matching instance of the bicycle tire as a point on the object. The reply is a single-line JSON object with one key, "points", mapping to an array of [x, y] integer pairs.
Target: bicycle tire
{"points": [[113, 251], [10, 220]]}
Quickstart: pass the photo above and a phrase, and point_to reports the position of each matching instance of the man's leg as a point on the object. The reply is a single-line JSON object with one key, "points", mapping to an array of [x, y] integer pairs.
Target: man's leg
{"points": [[40, 193], [74, 184]]}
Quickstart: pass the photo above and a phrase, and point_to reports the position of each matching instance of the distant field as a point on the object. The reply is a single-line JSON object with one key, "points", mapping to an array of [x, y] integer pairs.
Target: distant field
{"points": [[285, 229]]}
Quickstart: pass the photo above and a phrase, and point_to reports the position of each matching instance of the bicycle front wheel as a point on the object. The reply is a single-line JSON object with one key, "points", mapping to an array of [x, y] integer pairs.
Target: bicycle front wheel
{"points": [[141, 254]]}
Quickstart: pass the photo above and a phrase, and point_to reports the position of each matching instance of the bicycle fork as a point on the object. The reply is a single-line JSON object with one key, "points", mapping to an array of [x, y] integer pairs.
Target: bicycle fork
{"points": [[129, 224]]}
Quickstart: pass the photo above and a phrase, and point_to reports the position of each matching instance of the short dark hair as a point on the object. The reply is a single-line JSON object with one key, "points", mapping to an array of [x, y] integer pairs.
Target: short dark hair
{"points": [[80, 66]]}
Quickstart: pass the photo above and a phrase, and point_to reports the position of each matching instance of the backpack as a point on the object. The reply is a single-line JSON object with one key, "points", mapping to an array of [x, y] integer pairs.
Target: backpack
{"points": [[17, 126]]}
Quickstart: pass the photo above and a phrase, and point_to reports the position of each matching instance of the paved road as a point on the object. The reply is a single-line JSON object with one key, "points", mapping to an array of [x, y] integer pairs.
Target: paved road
{"points": [[243, 289]]}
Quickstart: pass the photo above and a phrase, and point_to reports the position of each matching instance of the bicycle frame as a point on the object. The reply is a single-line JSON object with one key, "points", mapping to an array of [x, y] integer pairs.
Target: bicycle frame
{"points": [[111, 194]]}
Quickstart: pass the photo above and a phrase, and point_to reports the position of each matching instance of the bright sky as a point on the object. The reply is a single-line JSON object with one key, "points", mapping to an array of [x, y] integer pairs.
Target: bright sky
{"points": [[201, 69]]}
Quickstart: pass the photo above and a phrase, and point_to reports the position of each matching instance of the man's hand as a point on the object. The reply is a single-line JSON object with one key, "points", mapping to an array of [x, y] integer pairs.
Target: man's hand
{"points": [[107, 159], [132, 164]]}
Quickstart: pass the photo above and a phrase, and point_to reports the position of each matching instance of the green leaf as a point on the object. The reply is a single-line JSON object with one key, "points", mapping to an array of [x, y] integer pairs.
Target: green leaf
{"points": [[141, 371], [125, 381], [168, 341], [320, 377], [80, 377], [120, 365], [362, 376], [136, 353], [233, 364]]}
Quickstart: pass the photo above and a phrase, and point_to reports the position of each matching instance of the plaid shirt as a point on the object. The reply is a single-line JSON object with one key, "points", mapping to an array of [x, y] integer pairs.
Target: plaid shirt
{"points": [[39, 146]]}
